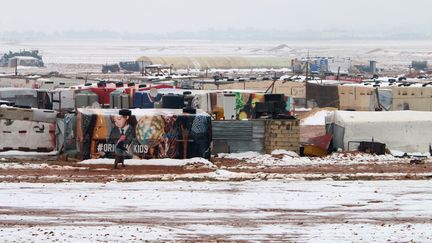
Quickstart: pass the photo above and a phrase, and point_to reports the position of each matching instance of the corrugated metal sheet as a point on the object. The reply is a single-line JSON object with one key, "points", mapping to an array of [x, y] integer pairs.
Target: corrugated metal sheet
{"points": [[238, 136]]}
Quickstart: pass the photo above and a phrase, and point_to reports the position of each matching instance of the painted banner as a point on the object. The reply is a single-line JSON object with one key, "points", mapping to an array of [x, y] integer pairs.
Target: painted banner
{"points": [[147, 133]]}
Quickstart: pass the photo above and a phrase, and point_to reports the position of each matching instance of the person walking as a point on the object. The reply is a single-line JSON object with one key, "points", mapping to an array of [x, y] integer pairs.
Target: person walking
{"points": [[120, 151], [123, 134]]}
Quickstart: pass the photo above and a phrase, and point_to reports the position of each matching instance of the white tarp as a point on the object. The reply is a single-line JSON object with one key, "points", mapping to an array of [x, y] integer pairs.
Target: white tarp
{"points": [[408, 131], [63, 99], [14, 92], [20, 96], [26, 135], [33, 114]]}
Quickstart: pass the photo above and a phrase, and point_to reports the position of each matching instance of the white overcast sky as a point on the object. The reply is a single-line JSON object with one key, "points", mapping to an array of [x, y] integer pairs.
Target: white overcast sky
{"points": [[196, 15]]}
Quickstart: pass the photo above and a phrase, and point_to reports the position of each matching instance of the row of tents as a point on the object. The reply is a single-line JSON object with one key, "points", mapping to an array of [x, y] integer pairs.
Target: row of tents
{"points": [[370, 96]]}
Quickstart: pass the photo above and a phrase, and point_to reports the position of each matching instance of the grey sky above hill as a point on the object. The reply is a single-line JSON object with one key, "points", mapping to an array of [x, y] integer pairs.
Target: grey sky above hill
{"points": [[165, 16]]}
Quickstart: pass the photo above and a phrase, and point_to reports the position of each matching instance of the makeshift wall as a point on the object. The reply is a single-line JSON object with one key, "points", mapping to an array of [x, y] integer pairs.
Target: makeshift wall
{"points": [[362, 98], [346, 97], [15, 113], [412, 98], [238, 136], [27, 129], [63, 99], [357, 98], [293, 89], [27, 135], [21, 82], [20, 96], [150, 133], [407, 131], [66, 134], [318, 95], [282, 134]]}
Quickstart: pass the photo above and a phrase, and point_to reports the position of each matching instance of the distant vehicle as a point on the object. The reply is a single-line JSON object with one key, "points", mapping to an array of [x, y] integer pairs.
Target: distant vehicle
{"points": [[132, 66], [110, 68], [22, 58]]}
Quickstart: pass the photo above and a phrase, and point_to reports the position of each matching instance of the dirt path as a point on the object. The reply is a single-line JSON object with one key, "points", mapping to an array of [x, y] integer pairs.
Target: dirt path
{"points": [[63, 171]]}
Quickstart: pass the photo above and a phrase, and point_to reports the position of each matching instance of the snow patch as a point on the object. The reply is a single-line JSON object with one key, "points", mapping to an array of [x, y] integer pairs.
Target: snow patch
{"points": [[316, 119], [26, 153], [285, 152], [160, 162], [6, 166], [292, 159], [221, 175], [243, 155]]}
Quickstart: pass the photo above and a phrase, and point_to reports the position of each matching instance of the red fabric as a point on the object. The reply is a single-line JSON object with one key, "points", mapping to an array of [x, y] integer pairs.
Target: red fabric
{"points": [[321, 141]]}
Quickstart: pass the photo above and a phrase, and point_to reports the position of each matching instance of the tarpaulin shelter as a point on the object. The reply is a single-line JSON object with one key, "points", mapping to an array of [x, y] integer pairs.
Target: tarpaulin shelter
{"points": [[20, 96], [407, 131], [412, 98], [27, 129], [66, 134], [322, 95]]}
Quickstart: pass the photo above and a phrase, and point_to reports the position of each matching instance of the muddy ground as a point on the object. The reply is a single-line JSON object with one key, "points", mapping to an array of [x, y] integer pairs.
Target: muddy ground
{"points": [[43, 200], [58, 170]]}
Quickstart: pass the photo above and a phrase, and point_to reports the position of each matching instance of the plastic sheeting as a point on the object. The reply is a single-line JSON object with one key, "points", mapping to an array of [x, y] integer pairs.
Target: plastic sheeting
{"points": [[27, 135], [63, 99], [385, 98], [407, 131], [66, 134], [41, 115], [20, 96], [318, 95], [27, 129]]}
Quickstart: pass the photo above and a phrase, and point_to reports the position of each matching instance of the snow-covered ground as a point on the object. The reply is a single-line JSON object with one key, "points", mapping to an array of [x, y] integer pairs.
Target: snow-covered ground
{"points": [[289, 158], [13, 153], [386, 53], [161, 162], [13, 165], [299, 211]]}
